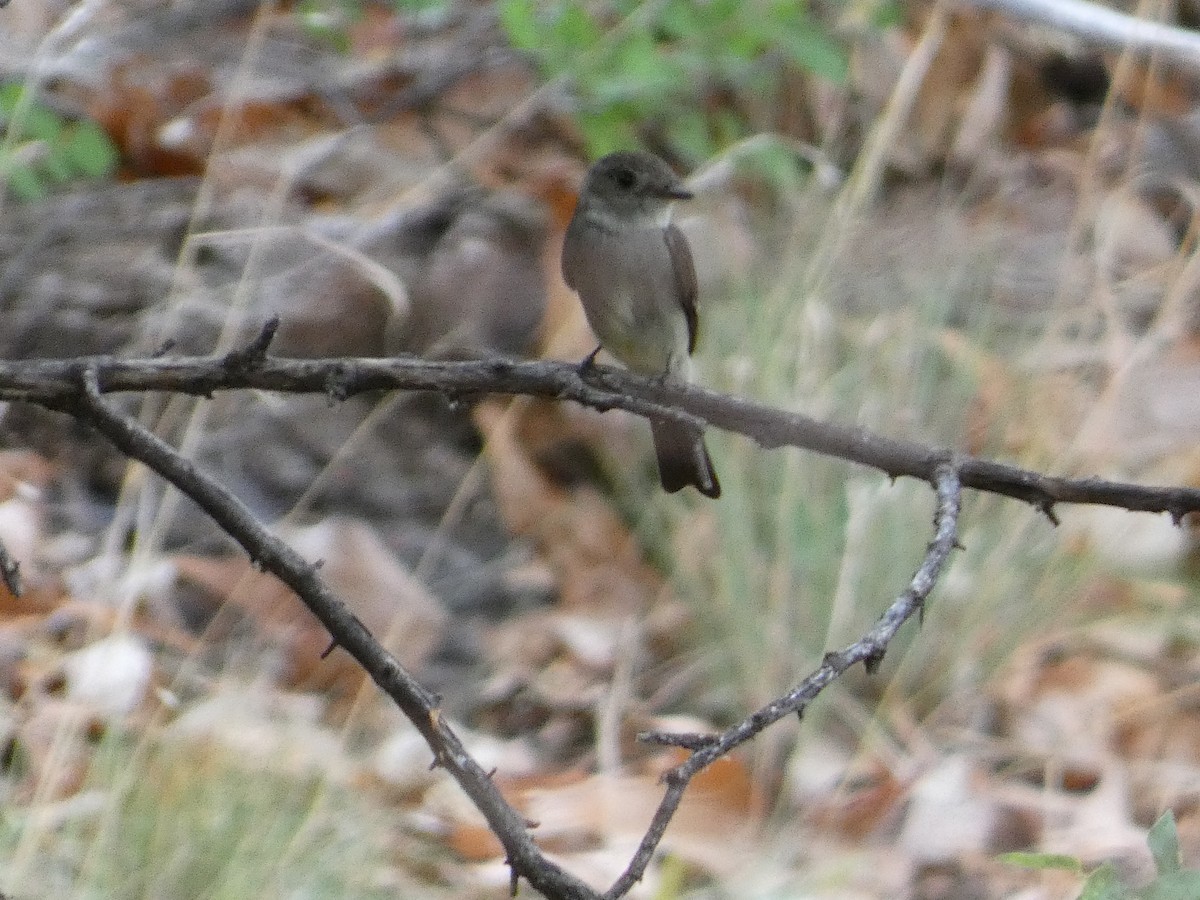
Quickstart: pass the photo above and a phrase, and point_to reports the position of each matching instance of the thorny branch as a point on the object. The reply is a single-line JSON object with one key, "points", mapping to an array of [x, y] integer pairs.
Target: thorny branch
{"points": [[273, 555], [55, 383], [869, 650], [77, 387]]}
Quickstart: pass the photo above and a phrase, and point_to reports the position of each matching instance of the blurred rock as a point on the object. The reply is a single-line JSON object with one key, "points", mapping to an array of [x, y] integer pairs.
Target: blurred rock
{"points": [[951, 814], [86, 272], [109, 677], [483, 289], [107, 271]]}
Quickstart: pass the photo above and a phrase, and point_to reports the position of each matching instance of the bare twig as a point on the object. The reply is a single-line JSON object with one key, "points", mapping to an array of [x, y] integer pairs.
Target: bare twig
{"points": [[253, 354], [1104, 27], [869, 650], [55, 383]]}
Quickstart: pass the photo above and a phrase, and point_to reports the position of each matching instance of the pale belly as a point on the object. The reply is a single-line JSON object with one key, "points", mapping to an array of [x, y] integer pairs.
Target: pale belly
{"points": [[646, 335], [637, 317]]}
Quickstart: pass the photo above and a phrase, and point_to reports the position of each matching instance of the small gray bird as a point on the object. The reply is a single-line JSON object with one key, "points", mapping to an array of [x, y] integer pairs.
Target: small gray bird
{"points": [[633, 271]]}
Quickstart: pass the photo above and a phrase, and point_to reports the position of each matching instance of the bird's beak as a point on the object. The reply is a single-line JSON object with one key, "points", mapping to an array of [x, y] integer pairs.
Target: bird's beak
{"points": [[677, 193]]}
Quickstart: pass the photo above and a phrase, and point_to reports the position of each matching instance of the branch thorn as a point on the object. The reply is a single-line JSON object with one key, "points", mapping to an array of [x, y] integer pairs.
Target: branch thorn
{"points": [[254, 354], [874, 659]]}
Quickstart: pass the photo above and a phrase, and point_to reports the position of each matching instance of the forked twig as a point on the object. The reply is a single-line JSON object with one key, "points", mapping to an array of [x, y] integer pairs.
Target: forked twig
{"points": [[869, 650]]}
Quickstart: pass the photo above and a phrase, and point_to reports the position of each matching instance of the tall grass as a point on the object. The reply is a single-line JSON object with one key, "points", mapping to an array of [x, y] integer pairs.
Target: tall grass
{"points": [[802, 553], [162, 818]]}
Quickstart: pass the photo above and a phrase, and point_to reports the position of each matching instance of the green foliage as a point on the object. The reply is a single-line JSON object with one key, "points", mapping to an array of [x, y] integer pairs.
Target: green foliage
{"points": [[1102, 884], [419, 7], [1028, 860], [887, 14], [328, 21], [1164, 843], [42, 149], [1171, 880], [632, 64]]}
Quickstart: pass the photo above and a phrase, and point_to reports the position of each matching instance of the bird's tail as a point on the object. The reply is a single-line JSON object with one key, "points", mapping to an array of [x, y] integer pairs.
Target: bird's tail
{"points": [[683, 459]]}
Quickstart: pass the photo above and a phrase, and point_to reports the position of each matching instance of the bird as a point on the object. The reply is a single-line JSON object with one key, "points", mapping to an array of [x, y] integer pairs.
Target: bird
{"points": [[633, 271]]}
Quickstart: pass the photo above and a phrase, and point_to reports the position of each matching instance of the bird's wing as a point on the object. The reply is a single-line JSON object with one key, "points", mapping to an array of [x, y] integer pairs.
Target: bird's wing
{"points": [[685, 278]]}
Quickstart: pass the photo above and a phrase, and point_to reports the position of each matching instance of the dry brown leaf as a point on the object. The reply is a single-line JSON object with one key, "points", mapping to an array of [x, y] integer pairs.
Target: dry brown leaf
{"points": [[23, 471], [943, 96], [24, 475], [540, 684], [1074, 705], [860, 803], [1106, 744], [138, 102], [712, 828], [56, 740], [603, 816], [1098, 826], [1154, 89], [597, 561], [474, 843], [397, 608]]}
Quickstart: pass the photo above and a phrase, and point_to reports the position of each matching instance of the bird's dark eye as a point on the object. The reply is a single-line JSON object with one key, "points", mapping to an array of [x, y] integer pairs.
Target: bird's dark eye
{"points": [[624, 178]]}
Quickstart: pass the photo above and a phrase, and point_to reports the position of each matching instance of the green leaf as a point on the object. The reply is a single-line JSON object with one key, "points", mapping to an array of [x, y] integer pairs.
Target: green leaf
{"points": [[672, 878], [606, 130], [328, 21], [519, 20], [642, 57], [729, 128], [91, 151], [571, 23], [1103, 884], [776, 162], [635, 71], [720, 12], [887, 14], [740, 46], [572, 32], [1042, 861], [631, 63], [680, 21], [612, 91], [689, 129], [645, 82], [1164, 843], [39, 123], [1181, 885], [418, 7], [810, 46], [10, 96], [47, 149], [56, 165], [24, 182]]}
